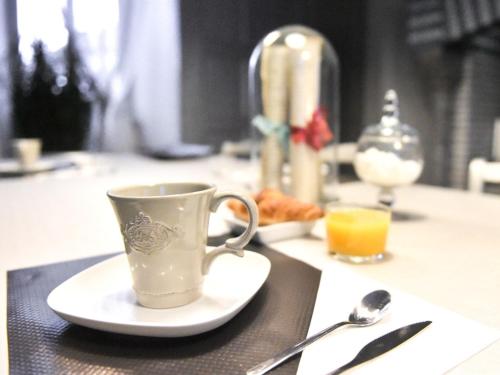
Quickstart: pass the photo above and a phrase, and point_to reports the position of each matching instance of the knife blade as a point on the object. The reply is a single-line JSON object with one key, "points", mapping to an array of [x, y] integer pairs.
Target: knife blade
{"points": [[383, 344]]}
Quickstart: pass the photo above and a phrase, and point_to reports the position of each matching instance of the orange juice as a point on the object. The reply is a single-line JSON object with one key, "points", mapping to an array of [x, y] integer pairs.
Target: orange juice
{"points": [[357, 232]]}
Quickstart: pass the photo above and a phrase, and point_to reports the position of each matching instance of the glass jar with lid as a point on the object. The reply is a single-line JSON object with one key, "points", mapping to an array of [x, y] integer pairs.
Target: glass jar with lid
{"points": [[389, 154]]}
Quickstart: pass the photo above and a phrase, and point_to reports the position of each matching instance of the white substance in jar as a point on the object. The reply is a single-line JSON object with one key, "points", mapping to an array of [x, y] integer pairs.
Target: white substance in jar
{"points": [[385, 168]]}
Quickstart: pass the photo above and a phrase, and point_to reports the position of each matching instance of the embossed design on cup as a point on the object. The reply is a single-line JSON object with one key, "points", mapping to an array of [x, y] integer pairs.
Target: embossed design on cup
{"points": [[145, 236]]}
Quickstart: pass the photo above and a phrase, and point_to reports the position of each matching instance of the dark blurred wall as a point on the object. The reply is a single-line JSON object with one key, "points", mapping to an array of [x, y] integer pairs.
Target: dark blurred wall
{"points": [[448, 90], [443, 58], [392, 64], [218, 37]]}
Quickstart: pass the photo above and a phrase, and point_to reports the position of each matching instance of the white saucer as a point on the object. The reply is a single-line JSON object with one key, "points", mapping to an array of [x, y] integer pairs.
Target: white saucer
{"points": [[13, 168], [101, 297]]}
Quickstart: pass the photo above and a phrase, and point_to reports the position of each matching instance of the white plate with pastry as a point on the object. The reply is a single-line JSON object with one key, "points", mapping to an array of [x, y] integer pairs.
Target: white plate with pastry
{"points": [[273, 232], [281, 217]]}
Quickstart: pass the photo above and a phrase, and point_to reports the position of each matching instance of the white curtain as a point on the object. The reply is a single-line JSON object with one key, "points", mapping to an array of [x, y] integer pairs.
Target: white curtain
{"points": [[144, 105], [4, 84]]}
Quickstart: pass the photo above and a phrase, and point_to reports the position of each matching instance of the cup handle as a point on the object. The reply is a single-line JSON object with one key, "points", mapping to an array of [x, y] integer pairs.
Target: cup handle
{"points": [[233, 245]]}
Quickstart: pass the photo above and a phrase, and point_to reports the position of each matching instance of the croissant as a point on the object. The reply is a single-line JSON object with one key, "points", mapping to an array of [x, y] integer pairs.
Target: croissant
{"points": [[276, 207]]}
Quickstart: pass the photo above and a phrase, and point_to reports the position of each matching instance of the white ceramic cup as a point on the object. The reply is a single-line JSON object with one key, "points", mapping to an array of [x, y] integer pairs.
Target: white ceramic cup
{"points": [[27, 151], [165, 229]]}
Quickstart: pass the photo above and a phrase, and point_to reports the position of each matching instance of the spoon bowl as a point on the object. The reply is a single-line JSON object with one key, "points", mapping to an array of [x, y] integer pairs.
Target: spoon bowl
{"points": [[370, 310]]}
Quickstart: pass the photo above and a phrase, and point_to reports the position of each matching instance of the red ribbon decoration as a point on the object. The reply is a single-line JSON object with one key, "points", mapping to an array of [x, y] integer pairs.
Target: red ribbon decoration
{"points": [[316, 133]]}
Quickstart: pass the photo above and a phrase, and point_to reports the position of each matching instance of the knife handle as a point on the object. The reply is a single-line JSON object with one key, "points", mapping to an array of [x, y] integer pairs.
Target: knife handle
{"points": [[271, 363]]}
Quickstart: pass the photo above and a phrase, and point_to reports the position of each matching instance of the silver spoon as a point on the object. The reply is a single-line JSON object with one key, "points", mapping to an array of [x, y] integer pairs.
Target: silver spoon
{"points": [[369, 311]]}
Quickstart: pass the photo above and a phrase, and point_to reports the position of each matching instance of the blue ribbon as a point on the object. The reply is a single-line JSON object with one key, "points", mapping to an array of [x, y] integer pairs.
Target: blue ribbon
{"points": [[267, 127]]}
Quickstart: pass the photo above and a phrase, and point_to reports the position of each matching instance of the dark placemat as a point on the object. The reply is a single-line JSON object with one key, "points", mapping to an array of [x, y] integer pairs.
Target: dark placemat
{"points": [[40, 342]]}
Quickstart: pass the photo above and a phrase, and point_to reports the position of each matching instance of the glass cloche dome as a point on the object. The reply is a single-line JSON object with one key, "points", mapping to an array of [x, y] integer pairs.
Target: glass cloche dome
{"points": [[294, 100]]}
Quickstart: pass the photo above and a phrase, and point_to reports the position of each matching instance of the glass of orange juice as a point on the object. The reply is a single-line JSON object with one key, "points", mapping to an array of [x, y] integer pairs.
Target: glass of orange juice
{"points": [[357, 233]]}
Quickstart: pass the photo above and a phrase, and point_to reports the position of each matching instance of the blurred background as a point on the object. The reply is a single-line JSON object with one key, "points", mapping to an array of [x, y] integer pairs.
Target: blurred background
{"points": [[124, 75]]}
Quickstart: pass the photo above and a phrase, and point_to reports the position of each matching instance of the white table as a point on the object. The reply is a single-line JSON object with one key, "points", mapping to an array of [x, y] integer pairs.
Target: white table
{"points": [[450, 258]]}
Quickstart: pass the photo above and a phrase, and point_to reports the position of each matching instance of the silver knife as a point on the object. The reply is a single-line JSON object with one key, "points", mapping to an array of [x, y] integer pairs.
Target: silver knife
{"points": [[383, 344]]}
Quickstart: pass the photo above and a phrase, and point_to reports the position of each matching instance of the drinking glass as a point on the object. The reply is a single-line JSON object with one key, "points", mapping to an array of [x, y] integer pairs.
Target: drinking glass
{"points": [[357, 233]]}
